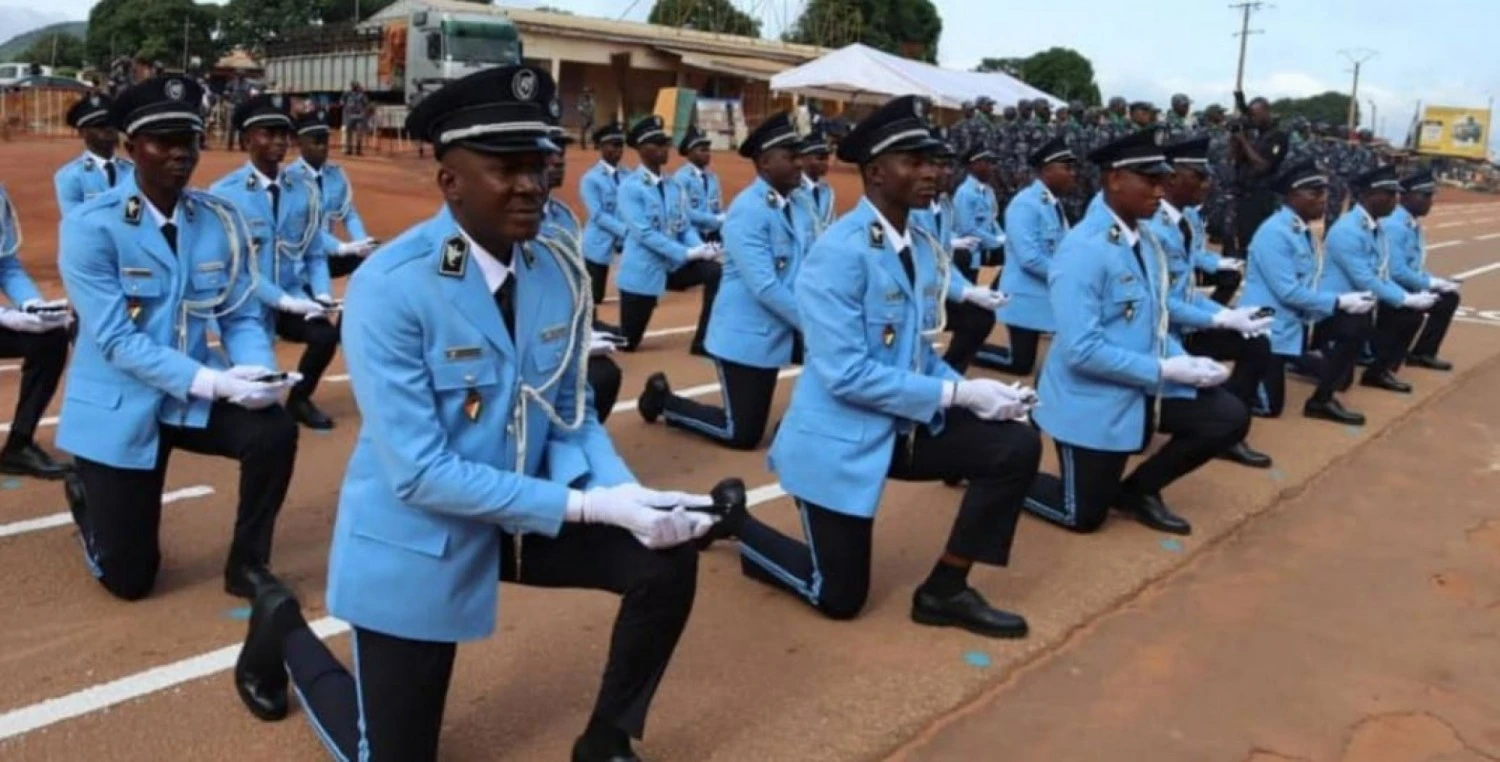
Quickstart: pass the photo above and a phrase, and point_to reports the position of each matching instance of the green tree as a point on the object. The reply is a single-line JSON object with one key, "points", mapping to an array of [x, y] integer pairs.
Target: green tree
{"points": [[1061, 72], [909, 28], [253, 23], [1330, 107], [56, 50], [340, 11], [705, 16], [151, 28]]}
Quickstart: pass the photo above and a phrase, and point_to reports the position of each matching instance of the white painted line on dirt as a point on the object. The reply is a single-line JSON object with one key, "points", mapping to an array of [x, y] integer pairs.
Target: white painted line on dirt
{"points": [[50, 420], [1487, 237], [699, 391], [1476, 271], [1452, 224], [21, 721], [66, 518], [1442, 244]]}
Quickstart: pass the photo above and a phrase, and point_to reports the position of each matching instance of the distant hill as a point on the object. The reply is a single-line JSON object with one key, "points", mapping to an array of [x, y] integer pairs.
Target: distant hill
{"points": [[19, 44]]}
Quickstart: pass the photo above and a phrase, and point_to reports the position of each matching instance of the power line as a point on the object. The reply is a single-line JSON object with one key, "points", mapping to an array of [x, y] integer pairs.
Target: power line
{"points": [[1244, 34]]}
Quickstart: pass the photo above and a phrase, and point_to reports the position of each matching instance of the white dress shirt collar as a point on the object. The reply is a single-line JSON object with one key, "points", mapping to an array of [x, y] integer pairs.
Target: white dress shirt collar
{"points": [[495, 272], [1132, 236], [314, 171], [100, 160], [1173, 213], [161, 219], [897, 240]]}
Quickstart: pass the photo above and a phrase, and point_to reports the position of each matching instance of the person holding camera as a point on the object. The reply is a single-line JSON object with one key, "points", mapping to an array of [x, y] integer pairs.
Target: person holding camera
{"points": [[1257, 148]]}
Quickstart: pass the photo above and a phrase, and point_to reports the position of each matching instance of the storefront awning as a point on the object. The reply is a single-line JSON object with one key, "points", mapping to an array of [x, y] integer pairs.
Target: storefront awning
{"points": [[737, 66]]}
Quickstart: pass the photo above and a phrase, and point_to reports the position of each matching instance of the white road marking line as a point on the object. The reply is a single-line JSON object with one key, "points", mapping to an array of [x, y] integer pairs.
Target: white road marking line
{"points": [[50, 420], [1487, 237], [66, 518], [699, 391], [1442, 244], [1466, 274], [51, 711], [1452, 224], [1476, 321]]}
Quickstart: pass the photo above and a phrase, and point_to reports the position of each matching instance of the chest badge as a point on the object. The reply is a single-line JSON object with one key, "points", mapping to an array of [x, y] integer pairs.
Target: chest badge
{"points": [[877, 236], [133, 310], [1130, 310], [888, 336], [455, 257], [133, 210], [473, 404]]}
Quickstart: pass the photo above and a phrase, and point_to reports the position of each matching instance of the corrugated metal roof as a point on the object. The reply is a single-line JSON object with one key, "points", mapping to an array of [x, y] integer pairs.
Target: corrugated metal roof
{"points": [[530, 20]]}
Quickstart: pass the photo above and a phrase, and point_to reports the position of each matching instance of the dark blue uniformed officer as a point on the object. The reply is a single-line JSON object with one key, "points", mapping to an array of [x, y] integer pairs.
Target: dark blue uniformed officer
{"points": [[1408, 244], [479, 459], [335, 192], [1115, 374], [98, 169], [876, 402], [150, 265], [755, 313]]}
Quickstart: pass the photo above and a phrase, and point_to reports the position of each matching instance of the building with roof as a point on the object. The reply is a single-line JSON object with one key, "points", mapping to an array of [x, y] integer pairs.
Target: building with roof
{"points": [[626, 64]]}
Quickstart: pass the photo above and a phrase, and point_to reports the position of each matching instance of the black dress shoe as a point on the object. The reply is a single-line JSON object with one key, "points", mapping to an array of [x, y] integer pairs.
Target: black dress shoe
{"points": [[308, 414], [30, 460], [583, 751], [1242, 454], [730, 505], [248, 580], [1384, 380], [1153, 512], [1332, 410], [603, 327], [653, 399], [969, 611], [1429, 362], [260, 672]]}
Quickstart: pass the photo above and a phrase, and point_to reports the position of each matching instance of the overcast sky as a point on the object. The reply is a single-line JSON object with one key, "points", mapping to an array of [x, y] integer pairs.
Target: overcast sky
{"points": [[1439, 51]]}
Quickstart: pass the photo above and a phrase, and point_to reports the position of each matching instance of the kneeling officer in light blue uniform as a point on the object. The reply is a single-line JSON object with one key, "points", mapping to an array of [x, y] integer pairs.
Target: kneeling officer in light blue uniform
{"points": [[875, 401], [1115, 372], [479, 459], [755, 314], [149, 266]]}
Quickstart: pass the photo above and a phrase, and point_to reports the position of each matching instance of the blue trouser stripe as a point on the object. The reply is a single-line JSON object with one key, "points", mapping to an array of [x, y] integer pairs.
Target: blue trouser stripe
{"points": [[724, 433]]}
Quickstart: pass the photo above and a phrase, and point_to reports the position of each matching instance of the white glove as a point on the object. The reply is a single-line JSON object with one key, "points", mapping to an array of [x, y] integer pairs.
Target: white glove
{"points": [[967, 242], [299, 306], [721, 217], [1357, 302], [1421, 300], [1243, 320], [986, 398], [704, 251], [237, 388], [1443, 286], [1230, 264], [600, 344], [361, 248], [327, 302], [24, 322], [1193, 371], [984, 298], [54, 313], [639, 510]]}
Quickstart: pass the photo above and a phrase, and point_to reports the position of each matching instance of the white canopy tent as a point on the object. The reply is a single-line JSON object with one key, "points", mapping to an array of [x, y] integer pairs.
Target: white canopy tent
{"points": [[861, 74]]}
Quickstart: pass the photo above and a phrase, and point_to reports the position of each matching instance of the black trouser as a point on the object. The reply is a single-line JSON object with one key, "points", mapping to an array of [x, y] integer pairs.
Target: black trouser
{"points": [[1340, 338], [44, 355], [963, 260], [1430, 341], [598, 278], [1252, 207], [636, 309], [1019, 359], [604, 379], [342, 265], [1395, 329], [399, 697], [797, 347], [1251, 357], [740, 424], [356, 135], [1090, 481], [1226, 284], [322, 340], [123, 512], [832, 570], [970, 325]]}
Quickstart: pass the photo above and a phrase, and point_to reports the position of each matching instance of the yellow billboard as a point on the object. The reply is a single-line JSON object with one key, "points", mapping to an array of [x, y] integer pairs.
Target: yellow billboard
{"points": [[1454, 131]]}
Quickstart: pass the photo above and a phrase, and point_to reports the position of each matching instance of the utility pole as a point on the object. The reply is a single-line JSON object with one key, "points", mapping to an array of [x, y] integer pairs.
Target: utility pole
{"points": [[185, 20], [1373, 115], [1357, 57], [1247, 8]]}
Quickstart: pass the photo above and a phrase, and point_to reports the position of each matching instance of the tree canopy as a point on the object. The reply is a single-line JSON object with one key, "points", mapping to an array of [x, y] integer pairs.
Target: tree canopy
{"points": [[909, 28], [1061, 72], [155, 29], [1331, 108], [705, 16], [56, 49]]}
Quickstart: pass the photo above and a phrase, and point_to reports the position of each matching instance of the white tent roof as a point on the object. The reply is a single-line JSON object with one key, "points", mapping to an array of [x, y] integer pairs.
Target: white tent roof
{"points": [[860, 73]]}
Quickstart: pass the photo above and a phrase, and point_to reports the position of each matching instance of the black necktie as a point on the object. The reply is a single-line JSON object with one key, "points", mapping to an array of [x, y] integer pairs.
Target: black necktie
{"points": [[1061, 218], [786, 209], [1136, 249], [817, 199], [505, 299], [908, 266], [938, 215], [169, 232], [661, 187], [615, 176], [109, 171], [275, 191], [320, 183], [1187, 234], [705, 182]]}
